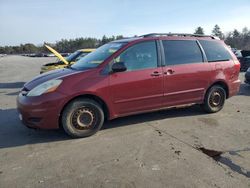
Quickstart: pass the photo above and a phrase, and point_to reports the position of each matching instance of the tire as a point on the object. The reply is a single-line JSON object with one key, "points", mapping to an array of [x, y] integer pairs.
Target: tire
{"points": [[214, 99], [82, 117]]}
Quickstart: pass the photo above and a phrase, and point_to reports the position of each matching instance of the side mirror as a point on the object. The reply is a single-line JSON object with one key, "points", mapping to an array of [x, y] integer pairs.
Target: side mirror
{"points": [[119, 67]]}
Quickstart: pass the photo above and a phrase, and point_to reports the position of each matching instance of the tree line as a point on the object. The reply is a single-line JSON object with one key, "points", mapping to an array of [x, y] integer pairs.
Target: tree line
{"points": [[62, 46], [236, 39]]}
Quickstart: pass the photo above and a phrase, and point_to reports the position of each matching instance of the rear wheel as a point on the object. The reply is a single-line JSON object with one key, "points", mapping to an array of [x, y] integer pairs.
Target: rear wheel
{"points": [[82, 118], [214, 99]]}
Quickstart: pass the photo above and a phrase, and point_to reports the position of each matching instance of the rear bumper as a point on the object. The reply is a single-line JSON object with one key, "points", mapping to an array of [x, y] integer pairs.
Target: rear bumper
{"points": [[234, 88], [40, 112]]}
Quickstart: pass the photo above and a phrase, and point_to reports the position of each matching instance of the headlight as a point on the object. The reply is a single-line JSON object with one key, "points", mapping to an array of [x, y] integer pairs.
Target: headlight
{"points": [[45, 87]]}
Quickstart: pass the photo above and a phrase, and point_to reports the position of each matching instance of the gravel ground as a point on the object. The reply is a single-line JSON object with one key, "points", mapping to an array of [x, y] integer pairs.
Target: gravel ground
{"points": [[159, 149]]}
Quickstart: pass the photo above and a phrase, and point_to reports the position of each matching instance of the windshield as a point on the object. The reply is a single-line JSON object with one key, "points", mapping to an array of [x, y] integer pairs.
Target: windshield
{"points": [[95, 58]]}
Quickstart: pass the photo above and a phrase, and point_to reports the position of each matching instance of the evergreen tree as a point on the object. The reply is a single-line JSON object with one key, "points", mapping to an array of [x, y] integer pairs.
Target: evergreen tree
{"points": [[217, 32], [199, 30]]}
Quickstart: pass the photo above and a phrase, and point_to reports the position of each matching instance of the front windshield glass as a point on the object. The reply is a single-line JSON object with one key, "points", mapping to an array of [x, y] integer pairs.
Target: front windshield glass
{"points": [[95, 58]]}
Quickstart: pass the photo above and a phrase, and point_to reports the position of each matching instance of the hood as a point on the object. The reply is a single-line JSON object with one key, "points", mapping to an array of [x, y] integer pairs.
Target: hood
{"points": [[48, 76], [58, 55], [245, 53]]}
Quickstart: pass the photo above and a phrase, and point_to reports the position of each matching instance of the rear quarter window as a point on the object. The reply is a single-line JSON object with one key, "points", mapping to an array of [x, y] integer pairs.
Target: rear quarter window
{"points": [[215, 51]]}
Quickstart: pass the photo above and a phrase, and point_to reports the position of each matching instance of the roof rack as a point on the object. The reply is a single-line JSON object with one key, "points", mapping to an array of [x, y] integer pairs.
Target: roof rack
{"points": [[177, 34]]}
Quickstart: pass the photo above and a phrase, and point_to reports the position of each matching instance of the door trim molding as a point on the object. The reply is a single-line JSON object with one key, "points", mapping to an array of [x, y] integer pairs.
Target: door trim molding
{"points": [[138, 98], [184, 91]]}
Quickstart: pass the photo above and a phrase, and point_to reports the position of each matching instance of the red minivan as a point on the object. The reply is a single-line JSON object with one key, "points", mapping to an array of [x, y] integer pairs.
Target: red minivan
{"points": [[131, 76]]}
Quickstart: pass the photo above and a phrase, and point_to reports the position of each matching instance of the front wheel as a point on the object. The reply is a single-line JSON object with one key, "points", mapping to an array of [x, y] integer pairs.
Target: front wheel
{"points": [[82, 118], [214, 99]]}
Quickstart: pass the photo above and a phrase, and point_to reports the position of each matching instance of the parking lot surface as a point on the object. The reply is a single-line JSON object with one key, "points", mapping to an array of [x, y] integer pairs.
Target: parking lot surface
{"points": [[170, 148]]}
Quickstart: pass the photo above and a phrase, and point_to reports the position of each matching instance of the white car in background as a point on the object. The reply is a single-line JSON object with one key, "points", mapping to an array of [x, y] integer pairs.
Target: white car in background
{"points": [[2, 55]]}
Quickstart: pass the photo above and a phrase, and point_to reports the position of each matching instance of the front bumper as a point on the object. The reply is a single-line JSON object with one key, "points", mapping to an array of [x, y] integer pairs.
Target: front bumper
{"points": [[247, 78], [42, 112]]}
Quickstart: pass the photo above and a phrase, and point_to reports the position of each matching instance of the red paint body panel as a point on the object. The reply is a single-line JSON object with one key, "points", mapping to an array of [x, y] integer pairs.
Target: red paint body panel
{"points": [[46, 109], [187, 83], [129, 92], [136, 90]]}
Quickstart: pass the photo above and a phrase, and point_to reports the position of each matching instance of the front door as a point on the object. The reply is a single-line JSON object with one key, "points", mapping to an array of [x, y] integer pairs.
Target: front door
{"points": [[140, 87]]}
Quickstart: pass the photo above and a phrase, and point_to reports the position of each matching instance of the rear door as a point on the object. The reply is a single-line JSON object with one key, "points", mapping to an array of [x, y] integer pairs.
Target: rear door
{"points": [[186, 75], [140, 88]]}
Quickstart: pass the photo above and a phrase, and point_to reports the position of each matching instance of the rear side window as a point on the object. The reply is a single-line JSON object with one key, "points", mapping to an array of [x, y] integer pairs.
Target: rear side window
{"points": [[182, 52], [215, 51]]}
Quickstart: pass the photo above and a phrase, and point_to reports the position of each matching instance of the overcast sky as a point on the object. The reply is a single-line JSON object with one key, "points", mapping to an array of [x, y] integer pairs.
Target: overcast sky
{"points": [[37, 21]]}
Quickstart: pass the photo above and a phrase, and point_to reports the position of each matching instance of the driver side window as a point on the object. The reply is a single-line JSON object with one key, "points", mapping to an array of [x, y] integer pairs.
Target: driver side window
{"points": [[139, 56]]}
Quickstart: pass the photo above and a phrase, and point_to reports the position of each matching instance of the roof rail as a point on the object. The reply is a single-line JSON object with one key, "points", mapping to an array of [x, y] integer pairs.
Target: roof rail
{"points": [[177, 34]]}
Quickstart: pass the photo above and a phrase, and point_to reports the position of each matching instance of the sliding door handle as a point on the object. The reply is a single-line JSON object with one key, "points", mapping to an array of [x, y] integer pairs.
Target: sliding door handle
{"points": [[169, 72]]}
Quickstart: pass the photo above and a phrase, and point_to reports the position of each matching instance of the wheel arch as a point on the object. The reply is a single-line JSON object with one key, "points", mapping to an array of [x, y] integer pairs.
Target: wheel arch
{"points": [[221, 83], [96, 98]]}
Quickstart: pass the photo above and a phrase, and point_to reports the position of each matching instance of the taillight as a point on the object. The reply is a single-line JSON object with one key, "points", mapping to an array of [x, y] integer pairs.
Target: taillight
{"points": [[236, 64], [236, 61], [236, 69]]}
